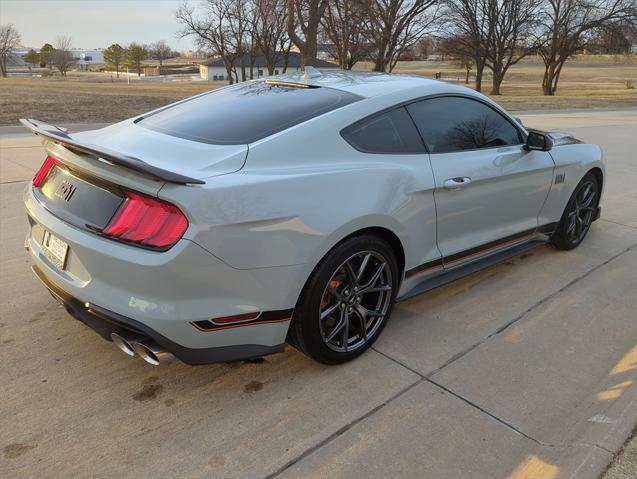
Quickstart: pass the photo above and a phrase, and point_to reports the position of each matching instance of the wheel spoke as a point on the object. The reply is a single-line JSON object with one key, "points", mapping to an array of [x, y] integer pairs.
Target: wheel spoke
{"points": [[363, 320], [585, 192], [580, 226], [588, 201], [374, 279], [361, 268], [573, 224], [352, 275], [341, 323], [329, 310], [379, 289], [345, 337]]}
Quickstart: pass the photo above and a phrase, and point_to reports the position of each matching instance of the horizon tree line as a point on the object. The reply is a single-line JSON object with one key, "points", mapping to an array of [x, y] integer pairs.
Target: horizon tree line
{"points": [[485, 35], [482, 35]]}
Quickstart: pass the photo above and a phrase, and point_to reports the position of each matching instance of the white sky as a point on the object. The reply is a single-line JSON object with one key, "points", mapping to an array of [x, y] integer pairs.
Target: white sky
{"points": [[95, 23]]}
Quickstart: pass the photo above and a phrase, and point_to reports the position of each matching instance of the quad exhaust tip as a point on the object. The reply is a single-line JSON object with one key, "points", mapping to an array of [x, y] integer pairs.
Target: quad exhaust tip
{"points": [[123, 343], [151, 352], [145, 348]]}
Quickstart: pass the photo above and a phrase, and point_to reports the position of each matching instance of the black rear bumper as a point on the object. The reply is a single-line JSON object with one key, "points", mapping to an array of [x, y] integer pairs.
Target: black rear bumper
{"points": [[105, 322]]}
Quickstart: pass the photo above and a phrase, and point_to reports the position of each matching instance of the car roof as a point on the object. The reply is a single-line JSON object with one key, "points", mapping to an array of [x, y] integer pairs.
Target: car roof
{"points": [[370, 84]]}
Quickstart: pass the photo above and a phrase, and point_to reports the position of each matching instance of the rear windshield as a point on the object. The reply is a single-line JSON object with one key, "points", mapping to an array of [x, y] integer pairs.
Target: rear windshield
{"points": [[245, 113]]}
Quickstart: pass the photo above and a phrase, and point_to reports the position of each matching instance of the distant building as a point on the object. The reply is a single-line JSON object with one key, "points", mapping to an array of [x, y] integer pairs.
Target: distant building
{"points": [[192, 54], [86, 58], [16, 58], [214, 69]]}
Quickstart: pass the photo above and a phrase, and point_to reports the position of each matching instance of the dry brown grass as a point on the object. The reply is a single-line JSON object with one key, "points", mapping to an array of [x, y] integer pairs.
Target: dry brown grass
{"points": [[88, 98], [587, 82]]}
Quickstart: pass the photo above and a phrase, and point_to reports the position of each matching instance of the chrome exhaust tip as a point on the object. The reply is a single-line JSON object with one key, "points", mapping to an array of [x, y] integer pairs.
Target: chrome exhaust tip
{"points": [[151, 352], [123, 343]]}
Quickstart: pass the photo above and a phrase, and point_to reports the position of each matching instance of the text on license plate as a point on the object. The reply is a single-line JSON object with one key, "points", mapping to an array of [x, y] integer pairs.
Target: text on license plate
{"points": [[55, 249]]}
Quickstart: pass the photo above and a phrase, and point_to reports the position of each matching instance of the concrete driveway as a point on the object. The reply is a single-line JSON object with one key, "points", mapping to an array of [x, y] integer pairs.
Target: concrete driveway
{"points": [[525, 370]]}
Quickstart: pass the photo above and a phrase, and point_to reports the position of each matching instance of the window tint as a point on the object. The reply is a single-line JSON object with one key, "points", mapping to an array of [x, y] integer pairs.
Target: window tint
{"points": [[245, 113], [454, 124], [389, 132]]}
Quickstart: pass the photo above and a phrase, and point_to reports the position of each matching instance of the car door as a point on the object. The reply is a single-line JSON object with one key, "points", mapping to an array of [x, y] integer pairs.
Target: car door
{"points": [[488, 189], [390, 140]]}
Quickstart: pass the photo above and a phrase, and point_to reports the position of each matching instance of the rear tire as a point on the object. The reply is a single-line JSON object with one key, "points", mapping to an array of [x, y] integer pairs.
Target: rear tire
{"points": [[578, 214], [347, 301]]}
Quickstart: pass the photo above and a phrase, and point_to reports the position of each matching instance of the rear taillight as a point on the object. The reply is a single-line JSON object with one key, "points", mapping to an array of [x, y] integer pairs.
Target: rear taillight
{"points": [[147, 221], [44, 170]]}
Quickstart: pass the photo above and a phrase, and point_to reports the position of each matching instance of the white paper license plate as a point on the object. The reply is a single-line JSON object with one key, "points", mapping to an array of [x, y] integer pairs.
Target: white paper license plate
{"points": [[55, 249]]}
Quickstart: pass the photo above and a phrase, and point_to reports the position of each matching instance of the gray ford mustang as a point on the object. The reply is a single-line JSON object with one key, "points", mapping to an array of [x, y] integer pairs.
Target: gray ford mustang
{"points": [[298, 208]]}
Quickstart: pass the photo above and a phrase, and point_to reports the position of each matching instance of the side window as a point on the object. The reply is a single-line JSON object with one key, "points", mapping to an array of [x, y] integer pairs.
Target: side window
{"points": [[388, 132], [450, 124]]}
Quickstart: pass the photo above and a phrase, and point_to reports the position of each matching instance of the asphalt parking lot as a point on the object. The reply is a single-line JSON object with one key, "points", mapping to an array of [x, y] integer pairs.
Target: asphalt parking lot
{"points": [[525, 370]]}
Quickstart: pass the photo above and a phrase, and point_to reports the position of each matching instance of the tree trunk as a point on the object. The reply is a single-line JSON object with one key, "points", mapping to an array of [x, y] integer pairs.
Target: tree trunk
{"points": [[552, 77], [498, 76], [228, 66], [479, 70], [380, 61], [466, 78], [308, 54], [547, 81], [243, 69], [379, 64], [271, 62]]}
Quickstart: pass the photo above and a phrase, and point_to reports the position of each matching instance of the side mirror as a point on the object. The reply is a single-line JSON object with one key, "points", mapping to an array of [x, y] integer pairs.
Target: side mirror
{"points": [[538, 141]]}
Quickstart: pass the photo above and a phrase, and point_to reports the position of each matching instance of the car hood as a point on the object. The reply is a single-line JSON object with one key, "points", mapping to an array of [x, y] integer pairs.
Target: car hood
{"points": [[185, 157], [560, 139]]}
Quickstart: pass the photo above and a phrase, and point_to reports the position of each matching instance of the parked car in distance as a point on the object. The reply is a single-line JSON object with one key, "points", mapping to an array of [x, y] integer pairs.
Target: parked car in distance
{"points": [[297, 208]]}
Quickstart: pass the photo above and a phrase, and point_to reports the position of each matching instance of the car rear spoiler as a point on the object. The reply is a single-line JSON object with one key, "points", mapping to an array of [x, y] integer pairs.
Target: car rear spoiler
{"points": [[58, 135]]}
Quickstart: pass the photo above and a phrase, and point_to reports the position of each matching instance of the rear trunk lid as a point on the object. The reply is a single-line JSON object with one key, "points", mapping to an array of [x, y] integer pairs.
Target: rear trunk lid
{"points": [[184, 157], [79, 199], [95, 168]]}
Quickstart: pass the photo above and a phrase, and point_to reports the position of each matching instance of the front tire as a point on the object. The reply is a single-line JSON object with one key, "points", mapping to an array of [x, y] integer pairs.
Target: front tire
{"points": [[578, 215], [347, 301]]}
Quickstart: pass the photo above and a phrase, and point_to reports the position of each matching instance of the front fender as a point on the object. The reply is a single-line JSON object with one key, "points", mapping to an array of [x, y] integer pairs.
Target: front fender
{"points": [[573, 159]]}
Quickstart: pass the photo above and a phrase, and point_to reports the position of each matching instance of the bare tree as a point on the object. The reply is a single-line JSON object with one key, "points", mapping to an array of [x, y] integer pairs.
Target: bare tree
{"points": [[269, 30], [285, 45], [61, 57], [304, 18], [456, 47], [394, 26], [566, 26], [160, 51], [614, 39], [239, 21], [426, 46], [211, 31], [468, 21], [511, 23], [9, 40], [343, 25]]}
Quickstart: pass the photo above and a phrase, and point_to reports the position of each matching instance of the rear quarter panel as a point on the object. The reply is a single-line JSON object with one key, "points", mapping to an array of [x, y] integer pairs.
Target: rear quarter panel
{"points": [[304, 190]]}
